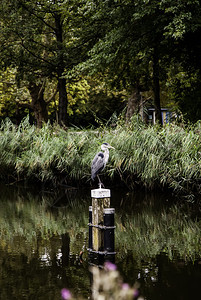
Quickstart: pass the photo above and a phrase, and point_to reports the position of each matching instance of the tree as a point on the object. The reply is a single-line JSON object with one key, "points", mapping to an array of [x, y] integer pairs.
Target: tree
{"points": [[138, 42], [135, 45], [36, 38], [184, 74], [124, 50], [14, 101]]}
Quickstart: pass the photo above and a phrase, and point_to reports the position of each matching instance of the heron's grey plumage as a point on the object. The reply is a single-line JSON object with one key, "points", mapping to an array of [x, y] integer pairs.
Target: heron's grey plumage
{"points": [[100, 160], [97, 165]]}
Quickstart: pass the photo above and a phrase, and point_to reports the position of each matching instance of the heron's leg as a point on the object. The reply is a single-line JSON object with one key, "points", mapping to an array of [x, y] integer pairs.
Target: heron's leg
{"points": [[100, 183]]}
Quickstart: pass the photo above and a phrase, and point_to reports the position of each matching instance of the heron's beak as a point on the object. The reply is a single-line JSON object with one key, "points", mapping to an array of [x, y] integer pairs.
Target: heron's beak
{"points": [[111, 147]]}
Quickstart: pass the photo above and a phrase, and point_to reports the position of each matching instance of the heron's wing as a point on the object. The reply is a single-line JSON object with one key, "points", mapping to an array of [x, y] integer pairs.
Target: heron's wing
{"points": [[97, 164]]}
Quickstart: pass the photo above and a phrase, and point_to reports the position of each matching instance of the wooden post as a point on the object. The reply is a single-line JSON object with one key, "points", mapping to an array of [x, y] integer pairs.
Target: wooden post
{"points": [[100, 200], [109, 230], [90, 228]]}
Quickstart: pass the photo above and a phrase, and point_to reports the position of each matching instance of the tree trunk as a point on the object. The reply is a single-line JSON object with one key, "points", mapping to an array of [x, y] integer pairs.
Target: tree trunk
{"points": [[38, 103], [156, 86], [63, 100], [134, 102]]}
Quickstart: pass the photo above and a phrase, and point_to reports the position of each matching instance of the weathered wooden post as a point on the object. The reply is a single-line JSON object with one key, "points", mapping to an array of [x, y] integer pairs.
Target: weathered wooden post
{"points": [[90, 228], [100, 200], [101, 228]]}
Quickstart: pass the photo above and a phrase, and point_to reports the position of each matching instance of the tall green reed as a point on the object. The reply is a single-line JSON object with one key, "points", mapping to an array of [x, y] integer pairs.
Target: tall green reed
{"points": [[147, 155]]}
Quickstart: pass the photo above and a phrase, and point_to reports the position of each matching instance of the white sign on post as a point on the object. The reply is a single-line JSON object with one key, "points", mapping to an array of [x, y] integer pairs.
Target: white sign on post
{"points": [[100, 193]]}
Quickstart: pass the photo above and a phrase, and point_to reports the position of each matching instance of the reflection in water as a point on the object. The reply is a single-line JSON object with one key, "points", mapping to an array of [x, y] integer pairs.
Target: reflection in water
{"points": [[42, 275], [40, 245], [41, 239], [65, 249]]}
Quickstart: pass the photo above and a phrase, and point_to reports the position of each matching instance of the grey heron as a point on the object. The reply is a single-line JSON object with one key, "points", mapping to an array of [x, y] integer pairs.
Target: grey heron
{"points": [[99, 162]]}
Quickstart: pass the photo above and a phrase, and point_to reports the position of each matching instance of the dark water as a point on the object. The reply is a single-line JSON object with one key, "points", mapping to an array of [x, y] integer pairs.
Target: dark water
{"points": [[42, 234]]}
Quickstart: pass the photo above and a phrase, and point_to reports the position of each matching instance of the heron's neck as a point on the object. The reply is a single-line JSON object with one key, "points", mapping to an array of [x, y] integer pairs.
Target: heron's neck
{"points": [[106, 154]]}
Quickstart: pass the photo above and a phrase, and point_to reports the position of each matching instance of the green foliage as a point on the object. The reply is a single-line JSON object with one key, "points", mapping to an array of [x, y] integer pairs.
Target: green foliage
{"points": [[38, 39], [46, 41], [95, 103], [184, 17], [184, 90], [149, 156], [161, 156], [132, 32], [14, 100], [78, 96]]}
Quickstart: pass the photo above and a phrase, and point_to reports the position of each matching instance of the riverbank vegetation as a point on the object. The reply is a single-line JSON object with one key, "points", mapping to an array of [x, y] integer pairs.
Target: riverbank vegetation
{"points": [[150, 157]]}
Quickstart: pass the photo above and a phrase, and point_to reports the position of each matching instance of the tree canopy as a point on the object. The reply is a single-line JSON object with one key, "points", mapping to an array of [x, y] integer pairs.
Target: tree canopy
{"points": [[144, 49]]}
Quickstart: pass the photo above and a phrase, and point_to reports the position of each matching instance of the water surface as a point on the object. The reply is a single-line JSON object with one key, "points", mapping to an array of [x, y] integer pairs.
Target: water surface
{"points": [[42, 233]]}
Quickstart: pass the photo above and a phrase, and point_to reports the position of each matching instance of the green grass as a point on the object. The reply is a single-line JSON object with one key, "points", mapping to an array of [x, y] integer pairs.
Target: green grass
{"points": [[150, 156]]}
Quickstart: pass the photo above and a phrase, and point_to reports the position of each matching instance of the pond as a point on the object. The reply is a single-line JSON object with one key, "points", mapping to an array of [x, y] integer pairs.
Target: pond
{"points": [[42, 232]]}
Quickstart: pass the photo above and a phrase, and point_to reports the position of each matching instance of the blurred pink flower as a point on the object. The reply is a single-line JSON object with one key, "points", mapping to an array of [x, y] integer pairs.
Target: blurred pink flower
{"points": [[110, 266], [65, 294], [125, 286], [135, 293]]}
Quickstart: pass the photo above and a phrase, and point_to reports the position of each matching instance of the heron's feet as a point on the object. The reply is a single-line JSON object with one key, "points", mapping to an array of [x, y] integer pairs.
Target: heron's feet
{"points": [[101, 185]]}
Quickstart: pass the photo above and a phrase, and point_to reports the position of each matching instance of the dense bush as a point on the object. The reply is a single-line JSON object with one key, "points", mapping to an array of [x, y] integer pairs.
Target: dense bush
{"points": [[149, 156]]}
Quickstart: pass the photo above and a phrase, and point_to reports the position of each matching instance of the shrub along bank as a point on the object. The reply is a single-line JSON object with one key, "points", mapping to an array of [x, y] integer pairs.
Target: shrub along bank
{"points": [[150, 156]]}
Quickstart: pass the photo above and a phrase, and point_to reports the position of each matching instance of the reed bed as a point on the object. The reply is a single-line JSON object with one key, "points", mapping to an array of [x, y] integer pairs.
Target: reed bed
{"points": [[148, 156]]}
